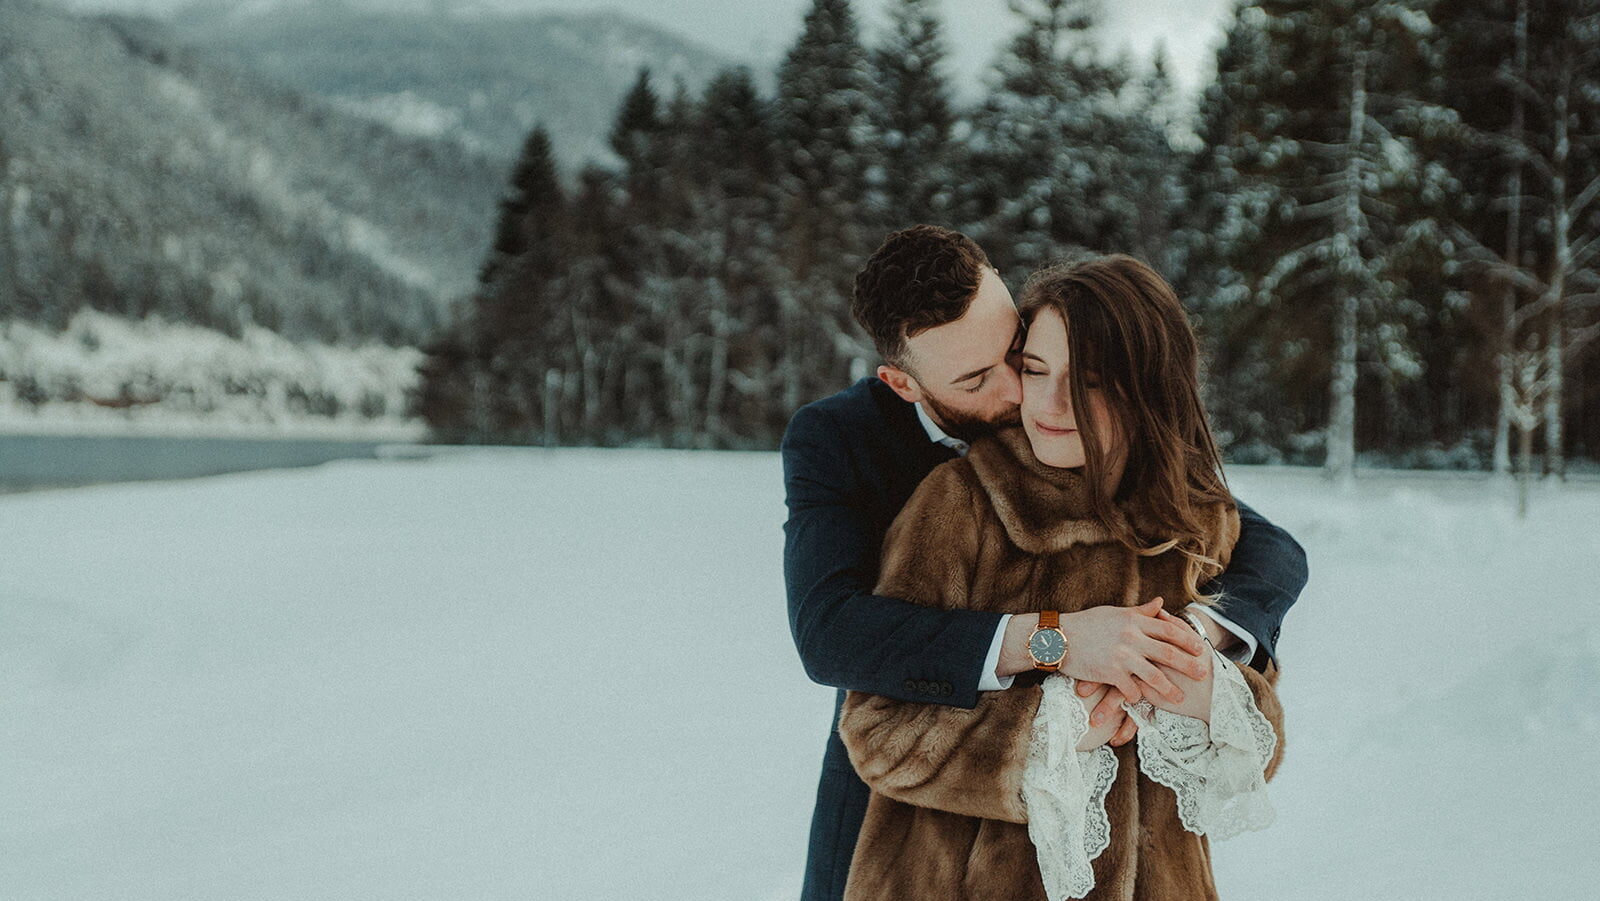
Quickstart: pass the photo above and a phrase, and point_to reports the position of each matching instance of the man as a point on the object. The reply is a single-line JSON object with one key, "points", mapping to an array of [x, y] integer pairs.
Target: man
{"points": [[948, 333]]}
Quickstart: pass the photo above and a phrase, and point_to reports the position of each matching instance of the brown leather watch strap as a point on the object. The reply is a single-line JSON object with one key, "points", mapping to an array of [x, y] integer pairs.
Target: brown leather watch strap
{"points": [[1048, 619]]}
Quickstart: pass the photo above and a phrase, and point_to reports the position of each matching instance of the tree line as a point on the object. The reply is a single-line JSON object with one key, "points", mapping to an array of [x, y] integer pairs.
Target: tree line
{"points": [[1382, 215]]}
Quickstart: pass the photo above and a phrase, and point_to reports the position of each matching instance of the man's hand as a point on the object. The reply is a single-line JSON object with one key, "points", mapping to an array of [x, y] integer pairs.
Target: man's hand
{"points": [[1119, 646]]}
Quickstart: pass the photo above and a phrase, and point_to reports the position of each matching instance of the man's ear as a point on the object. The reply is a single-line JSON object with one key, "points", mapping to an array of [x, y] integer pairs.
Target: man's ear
{"points": [[902, 382]]}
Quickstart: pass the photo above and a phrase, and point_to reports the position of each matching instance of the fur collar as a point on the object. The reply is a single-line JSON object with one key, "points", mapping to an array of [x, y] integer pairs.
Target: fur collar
{"points": [[1043, 508]]}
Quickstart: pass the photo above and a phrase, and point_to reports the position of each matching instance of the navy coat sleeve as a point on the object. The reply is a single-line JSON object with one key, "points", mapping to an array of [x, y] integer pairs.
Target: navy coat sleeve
{"points": [[848, 637], [1263, 579]]}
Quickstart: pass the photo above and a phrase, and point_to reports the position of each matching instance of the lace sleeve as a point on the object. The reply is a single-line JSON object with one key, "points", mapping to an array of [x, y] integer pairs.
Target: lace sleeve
{"points": [[1064, 791], [1218, 769]]}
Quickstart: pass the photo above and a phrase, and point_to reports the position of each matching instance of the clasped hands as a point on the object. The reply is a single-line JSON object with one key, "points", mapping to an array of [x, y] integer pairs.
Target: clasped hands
{"points": [[1121, 654]]}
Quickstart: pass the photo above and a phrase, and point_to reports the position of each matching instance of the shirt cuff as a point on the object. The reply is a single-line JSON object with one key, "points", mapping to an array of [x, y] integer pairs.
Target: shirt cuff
{"points": [[1237, 653], [987, 680]]}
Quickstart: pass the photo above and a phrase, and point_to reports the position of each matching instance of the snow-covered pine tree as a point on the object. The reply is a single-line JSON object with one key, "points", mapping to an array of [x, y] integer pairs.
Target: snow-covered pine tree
{"points": [[674, 293], [823, 121], [10, 282], [1154, 186], [1485, 50], [740, 203], [916, 115], [1062, 150], [596, 312], [638, 264], [1545, 137], [1318, 168]]}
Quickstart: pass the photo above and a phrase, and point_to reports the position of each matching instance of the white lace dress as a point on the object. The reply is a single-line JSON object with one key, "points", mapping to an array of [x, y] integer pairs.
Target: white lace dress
{"points": [[1217, 771]]}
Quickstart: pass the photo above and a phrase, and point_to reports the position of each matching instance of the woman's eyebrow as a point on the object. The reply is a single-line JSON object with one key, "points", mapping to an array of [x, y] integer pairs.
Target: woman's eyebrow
{"points": [[1034, 357]]}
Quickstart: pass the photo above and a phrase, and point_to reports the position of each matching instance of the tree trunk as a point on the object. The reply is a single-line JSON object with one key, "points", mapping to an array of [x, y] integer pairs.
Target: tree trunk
{"points": [[1555, 339], [552, 407], [1525, 452], [1341, 442], [717, 378], [1508, 302]]}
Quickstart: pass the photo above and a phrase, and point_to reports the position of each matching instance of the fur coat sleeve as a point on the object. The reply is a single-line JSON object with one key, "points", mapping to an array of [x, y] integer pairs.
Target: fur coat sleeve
{"points": [[931, 755]]}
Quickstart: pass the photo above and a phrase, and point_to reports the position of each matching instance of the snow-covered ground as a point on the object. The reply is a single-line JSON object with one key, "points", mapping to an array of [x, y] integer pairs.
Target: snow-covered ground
{"points": [[568, 674], [106, 375]]}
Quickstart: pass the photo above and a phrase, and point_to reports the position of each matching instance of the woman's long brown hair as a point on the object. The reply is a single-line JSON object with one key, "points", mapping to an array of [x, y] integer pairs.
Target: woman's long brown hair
{"points": [[1126, 325]]}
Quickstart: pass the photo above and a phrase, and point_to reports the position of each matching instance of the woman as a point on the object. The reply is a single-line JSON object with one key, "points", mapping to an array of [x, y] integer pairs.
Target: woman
{"points": [[1110, 492]]}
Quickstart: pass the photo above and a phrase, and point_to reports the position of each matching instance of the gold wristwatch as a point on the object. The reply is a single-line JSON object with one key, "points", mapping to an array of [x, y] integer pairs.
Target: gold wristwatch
{"points": [[1048, 644]]}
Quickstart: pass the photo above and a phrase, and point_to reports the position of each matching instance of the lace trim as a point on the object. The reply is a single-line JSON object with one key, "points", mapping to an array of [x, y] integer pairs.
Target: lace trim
{"points": [[1064, 791], [1218, 769]]}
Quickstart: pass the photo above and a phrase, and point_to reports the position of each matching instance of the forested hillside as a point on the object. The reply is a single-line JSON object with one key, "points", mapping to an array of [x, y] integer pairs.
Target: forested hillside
{"points": [[139, 177]]}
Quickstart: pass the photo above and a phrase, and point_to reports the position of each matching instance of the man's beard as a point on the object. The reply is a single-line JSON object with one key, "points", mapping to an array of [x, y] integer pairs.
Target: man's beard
{"points": [[969, 427]]}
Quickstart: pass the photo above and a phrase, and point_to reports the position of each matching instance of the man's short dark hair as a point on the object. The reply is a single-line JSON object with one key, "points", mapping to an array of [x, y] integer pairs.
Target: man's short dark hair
{"points": [[918, 278]]}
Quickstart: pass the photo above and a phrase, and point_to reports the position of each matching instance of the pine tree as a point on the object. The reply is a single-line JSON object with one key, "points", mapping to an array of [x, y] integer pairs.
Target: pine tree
{"points": [[1154, 167], [916, 116], [451, 394], [1062, 149], [598, 313], [10, 281], [741, 208], [521, 294], [528, 208], [483, 375], [637, 120], [1541, 143], [1320, 174], [823, 117]]}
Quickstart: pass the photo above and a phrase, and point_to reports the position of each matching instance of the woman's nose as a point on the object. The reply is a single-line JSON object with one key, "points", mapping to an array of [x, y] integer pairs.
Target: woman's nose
{"points": [[1060, 401]]}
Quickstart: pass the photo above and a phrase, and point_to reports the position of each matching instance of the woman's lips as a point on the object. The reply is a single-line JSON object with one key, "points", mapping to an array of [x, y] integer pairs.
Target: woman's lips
{"points": [[1052, 432]]}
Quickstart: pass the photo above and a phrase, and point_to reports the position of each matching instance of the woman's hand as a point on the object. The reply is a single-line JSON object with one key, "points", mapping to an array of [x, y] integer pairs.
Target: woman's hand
{"points": [[1097, 735], [1106, 706], [1119, 646], [1196, 692]]}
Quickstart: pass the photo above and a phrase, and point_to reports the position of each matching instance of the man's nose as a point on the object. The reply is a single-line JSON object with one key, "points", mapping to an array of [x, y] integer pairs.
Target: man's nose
{"points": [[1013, 385]]}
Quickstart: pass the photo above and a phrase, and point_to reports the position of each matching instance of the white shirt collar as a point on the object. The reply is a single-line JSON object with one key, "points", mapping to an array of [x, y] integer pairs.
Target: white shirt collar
{"points": [[937, 435]]}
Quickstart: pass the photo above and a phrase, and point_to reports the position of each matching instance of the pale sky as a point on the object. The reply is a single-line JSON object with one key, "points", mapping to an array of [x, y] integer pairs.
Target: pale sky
{"points": [[760, 30]]}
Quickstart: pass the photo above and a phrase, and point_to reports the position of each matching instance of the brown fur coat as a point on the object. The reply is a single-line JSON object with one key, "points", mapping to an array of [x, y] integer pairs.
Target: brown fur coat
{"points": [[998, 530]]}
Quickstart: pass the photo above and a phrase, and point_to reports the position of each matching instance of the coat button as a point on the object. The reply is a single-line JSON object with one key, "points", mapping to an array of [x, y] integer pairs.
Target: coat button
{"points": [[946, 689], [922, 685], [911, 685]]}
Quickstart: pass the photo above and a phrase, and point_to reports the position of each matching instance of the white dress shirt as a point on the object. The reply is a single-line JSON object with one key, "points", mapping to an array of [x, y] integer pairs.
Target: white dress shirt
{"points": [[987, 680]]}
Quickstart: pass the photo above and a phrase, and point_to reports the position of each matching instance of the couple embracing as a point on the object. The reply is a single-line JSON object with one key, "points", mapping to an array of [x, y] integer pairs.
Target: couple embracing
{"points": [[1015, 555]]}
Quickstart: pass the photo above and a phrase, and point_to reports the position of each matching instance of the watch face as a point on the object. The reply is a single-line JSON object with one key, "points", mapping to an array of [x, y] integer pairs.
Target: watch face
{"points": [[1047, 646]]}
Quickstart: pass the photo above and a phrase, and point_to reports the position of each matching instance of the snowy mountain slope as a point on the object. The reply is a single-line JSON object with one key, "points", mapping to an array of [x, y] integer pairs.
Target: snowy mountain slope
{"points": [[141, 176], [473, 73], [512, 673]]}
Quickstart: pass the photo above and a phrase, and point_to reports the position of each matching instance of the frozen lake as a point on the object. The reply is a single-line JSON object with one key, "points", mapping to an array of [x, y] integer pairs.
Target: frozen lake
{"points": [[46, 461], [514, 673]]}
